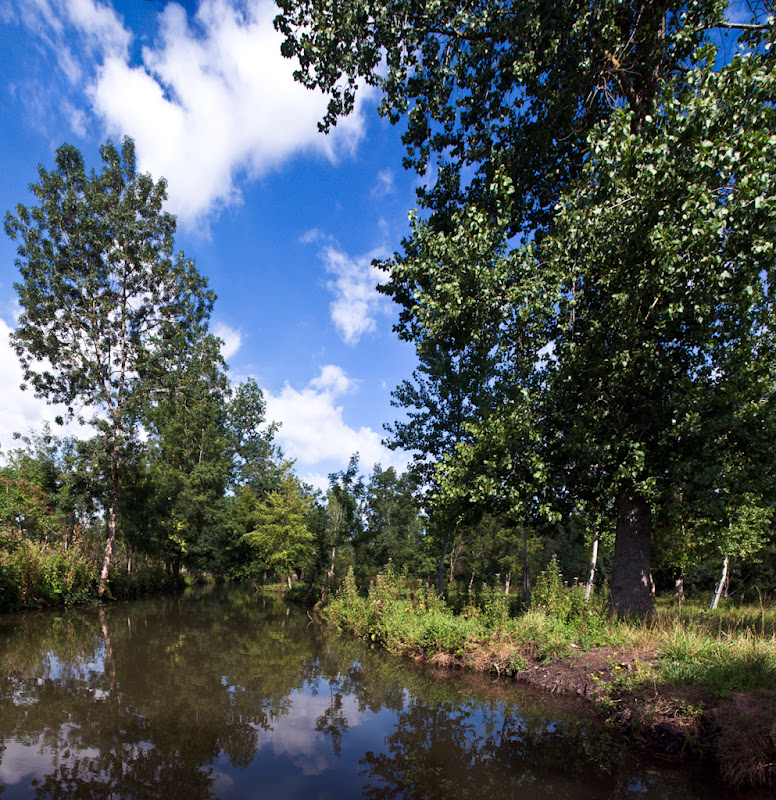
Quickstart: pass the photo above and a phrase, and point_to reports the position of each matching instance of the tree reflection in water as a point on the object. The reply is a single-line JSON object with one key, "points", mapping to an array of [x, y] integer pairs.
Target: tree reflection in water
{"points": [[225, 695]]}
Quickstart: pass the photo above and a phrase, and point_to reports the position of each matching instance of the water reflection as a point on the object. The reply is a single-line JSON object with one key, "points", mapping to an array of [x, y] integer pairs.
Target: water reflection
{"points": [[221, 695]]}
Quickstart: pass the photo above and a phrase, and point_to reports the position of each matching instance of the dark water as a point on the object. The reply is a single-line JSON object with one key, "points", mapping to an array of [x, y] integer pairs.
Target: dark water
{"points": [[222, 695]]}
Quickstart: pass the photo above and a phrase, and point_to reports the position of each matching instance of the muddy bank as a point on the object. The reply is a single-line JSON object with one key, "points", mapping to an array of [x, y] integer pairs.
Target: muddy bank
{"points": [[737, 732]]}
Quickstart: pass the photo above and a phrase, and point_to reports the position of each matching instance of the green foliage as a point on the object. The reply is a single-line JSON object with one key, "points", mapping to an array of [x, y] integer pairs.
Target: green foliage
{"points": [[589, 289], [23, 506], [33, 575], [400, 615], [103, 298], [280, 537], [556, 598]]}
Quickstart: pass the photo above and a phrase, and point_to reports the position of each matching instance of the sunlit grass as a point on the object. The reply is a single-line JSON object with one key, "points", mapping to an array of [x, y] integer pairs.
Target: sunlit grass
{"points": [[726, 650]]}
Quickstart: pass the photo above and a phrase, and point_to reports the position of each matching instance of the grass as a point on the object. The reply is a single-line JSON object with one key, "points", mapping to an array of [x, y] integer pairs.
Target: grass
{"points": [[732, 649], [707, 678]]}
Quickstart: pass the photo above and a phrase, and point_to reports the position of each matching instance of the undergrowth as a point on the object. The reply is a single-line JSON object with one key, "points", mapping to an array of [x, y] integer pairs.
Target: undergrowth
{"points": [[723, 652]]}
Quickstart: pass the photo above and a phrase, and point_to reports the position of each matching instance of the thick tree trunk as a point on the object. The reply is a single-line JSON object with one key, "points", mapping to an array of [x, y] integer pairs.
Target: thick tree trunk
{"points": [[591, 573], [112, 512], [631, 571]]}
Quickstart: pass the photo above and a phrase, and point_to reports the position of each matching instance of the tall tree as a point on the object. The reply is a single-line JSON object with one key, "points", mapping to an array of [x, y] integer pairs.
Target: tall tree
{"points": [[258, 460], [101, 294], [191, 450], [595, 114]]}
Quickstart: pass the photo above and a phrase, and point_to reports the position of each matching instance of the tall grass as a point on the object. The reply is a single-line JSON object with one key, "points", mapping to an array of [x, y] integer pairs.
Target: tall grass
{"points": [[733, 649], [39, 575], [33, 574]]}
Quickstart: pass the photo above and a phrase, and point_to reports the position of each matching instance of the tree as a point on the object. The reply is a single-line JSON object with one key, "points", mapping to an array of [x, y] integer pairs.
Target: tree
{"points": [[344, 504], [191, 452], [393, 526], [595, 140], [258, 461], [280, 535], [101, 296]]}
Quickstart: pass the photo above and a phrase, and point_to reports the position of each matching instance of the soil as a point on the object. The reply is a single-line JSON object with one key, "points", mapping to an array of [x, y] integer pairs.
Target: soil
{"points": [[738, 732]]}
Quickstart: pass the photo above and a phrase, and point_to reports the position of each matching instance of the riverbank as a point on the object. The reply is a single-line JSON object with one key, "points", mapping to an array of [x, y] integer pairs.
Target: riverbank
{"points": [[35, 576], [687, 683]]}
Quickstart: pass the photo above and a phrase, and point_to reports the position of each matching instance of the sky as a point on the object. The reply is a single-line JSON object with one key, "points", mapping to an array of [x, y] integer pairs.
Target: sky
{"points": [[282, 220]]}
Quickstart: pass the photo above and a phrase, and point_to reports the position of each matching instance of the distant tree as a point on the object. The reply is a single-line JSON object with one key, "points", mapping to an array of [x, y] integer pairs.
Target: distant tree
{"points": [[280, 536], [344, 505], [257, 459], [393, 525], [191, 449], [101, 296]]}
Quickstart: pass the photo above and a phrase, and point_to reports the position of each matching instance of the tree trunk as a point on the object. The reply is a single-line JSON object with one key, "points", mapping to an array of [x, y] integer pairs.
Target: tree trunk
{"points": [[471, 582], [288, 578], [591, 574], [526, 573], [721, 584], [630, 571], [679, 587], [441, 569], [112, 512], [330, 573], [507, 582]]}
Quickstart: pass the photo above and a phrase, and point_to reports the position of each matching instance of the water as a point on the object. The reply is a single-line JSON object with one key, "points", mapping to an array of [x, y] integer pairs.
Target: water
{"points": [[223, 695]]}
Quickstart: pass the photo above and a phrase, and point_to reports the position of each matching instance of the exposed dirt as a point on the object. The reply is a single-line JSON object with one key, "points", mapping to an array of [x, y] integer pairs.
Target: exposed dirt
{"points": [[738, 732]]}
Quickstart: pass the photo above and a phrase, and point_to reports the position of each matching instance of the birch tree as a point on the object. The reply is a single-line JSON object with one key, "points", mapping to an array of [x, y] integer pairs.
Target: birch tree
{"points": [[102, 294]]}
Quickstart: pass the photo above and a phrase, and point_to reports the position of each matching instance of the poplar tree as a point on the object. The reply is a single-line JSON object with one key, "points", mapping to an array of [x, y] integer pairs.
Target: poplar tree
{"points": [[102, 296], [599, 142]]}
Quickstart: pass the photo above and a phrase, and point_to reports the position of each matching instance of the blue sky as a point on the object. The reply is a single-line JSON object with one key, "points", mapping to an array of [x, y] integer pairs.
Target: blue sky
{"points": [[282, 220]]}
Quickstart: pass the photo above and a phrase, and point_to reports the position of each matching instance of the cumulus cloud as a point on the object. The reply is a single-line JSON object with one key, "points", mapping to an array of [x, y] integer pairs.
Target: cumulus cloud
{"points": [[20, 410], [314, 430], [231, 338], [334, 380], [356, 302], [212, 99], [209, 102]]}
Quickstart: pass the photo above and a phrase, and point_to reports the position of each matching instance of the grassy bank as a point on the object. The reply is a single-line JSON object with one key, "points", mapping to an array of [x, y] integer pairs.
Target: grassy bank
{"points": [[688, 681], [35, 575]]}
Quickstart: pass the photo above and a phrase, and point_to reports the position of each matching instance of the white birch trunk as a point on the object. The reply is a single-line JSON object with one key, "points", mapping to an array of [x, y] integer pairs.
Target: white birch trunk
{"points": [[720, 585], [591, 573]]}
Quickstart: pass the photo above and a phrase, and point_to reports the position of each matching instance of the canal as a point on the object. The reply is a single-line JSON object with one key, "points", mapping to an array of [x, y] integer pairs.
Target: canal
{"points": [[223, 694]]}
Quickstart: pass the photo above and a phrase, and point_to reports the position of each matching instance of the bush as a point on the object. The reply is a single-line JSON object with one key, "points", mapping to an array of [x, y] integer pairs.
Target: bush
{"points": [[34, 575]]}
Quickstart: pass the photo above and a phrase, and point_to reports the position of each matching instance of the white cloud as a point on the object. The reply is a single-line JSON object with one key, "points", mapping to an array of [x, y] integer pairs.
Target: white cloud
{"points": [[356, 302], [313, 428], [20, 410], [214, 99], [333, 380], [211, 101], [312, 236], [232, 339], [75, 31], [384, 184]]}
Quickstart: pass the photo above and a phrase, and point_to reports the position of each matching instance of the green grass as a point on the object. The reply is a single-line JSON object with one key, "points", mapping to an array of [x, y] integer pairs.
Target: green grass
{"points": [[731, 649]]}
